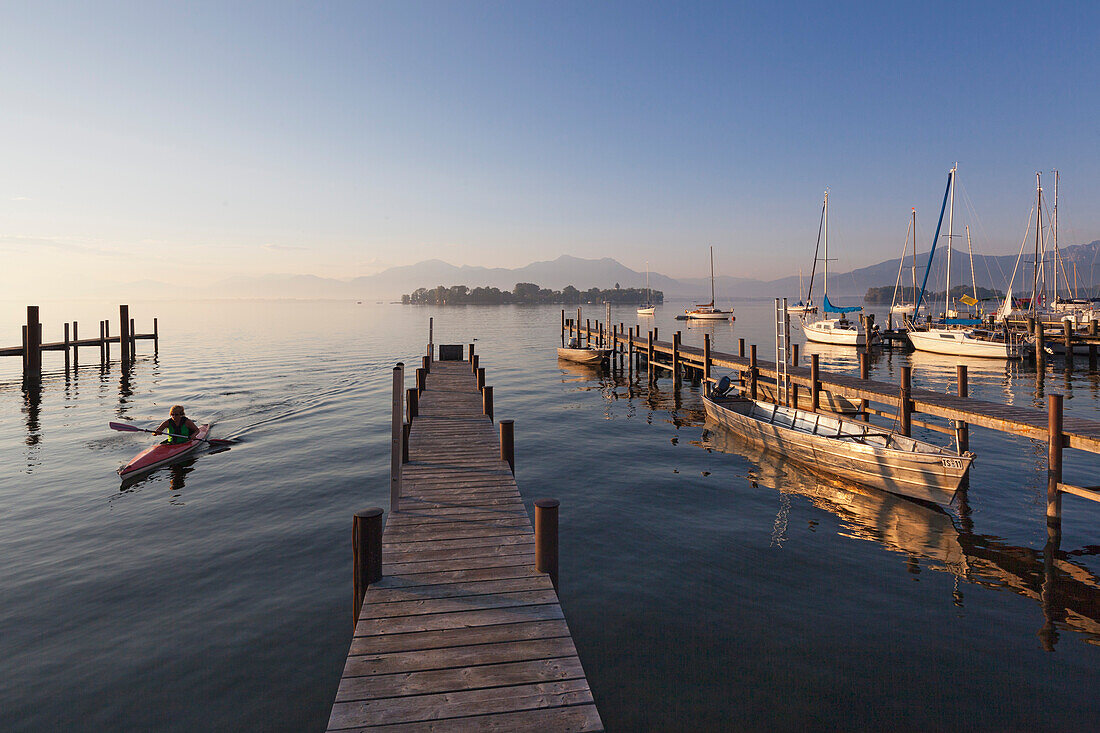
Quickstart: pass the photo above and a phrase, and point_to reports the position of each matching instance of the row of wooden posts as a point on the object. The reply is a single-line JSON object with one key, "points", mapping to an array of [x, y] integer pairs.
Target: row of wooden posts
{"points": [[367, 526], [623, 341], [33, 344]]}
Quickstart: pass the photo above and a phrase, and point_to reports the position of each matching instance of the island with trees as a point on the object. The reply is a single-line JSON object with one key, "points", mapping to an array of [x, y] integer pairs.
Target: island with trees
{"points": [[528, 294]]}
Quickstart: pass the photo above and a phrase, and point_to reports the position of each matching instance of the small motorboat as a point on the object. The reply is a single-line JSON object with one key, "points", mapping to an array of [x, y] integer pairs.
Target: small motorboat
{"points": [[161, 454], [857, 451]]}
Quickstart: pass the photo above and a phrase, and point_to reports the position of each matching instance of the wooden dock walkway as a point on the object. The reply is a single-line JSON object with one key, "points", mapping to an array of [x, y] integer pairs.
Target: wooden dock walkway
{"points": [[462, 633]]}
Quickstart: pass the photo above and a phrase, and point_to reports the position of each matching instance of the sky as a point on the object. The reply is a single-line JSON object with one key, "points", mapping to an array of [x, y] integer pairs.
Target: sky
{"points": [[191, 142]]}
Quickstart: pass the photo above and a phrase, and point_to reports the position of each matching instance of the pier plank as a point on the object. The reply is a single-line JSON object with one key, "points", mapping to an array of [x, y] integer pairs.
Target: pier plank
{"points": [[461, 632]]}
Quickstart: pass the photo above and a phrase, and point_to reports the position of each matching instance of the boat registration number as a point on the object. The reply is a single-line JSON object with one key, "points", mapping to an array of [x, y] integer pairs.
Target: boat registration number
{"points": [[952, 463]]}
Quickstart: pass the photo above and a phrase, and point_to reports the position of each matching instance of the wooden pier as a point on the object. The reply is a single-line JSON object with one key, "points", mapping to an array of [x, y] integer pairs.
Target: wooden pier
{"points": [[460, 626], [33, 344], [902, 400]]}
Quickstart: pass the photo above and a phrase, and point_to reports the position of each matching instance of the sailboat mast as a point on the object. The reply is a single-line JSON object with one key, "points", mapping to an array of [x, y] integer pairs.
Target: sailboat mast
{"points": [[914, 258], [712, 276], [1057, 254], [1038, 237], [970, 250], [826, 260], [950, 224]]}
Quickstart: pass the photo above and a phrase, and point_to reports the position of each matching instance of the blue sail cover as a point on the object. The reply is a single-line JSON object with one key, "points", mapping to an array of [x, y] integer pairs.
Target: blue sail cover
{"points": [[830, 308]]}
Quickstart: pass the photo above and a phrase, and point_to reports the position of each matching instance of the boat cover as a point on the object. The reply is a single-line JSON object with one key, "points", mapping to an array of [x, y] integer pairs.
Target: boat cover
{"points": [[830, 308]]}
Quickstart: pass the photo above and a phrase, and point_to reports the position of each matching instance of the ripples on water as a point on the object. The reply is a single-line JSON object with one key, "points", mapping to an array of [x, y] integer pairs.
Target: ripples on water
{"points": [[708, 584]]}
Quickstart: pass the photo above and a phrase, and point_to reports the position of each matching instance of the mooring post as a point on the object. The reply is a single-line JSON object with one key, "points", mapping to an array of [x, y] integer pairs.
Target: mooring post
{"points": [[366, 551], [25, 350], [487, 401], [133, 341], [1054, 467], [76, 348], [588, 331], [474, 363], [156, 335], [706, 358], [406, 431], [546, 538], [397, 433], [412, 402], [421, 380], [1067, 334], [471, 353], [752, 371], [794, 355], [426, 364], [508, 442], [1092, 347], [480, 378], [431, 335], [32, 351], [962, 426], [649, 357], [864, 372], [630, 350], [741, 348], [67, 360], [676, 359], [656, 335], [905, 407], [102, 343], [1040, 343], [107, 338], [815, 384], [563, 327], [124, 333]]}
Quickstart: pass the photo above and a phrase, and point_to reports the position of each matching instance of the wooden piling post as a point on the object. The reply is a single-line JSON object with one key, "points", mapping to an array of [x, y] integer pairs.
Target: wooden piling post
{"points": [[421, 380], [32, 350], [431, 337], [103, 354], [1092, 347], [649, 357], [366, 544], [588, 331], [630, 349], [706, 358], [546, 538], [676, 359], [1040, 343], [133, 341], [563, 327], [487, 401], [1054, 466], [474, 363], [864, 372], [794, 355], [480, 378], [752, 371], [156, 335], [412, 401], [397, 433], [406, 431], [656, 335], [426, 364], [471, 354], [905, 406], [815, 384], [961, 426], [741, 348], [1067, 334], [67, 359], [76, 349], [508, 442], [124, 333]]}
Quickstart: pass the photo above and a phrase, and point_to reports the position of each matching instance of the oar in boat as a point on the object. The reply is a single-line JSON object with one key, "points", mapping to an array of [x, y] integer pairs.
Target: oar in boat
{"points": [[125, 428]]}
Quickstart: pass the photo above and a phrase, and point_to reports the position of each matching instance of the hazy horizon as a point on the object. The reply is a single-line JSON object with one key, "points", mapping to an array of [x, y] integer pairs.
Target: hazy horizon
{"points": [[199, 142]]}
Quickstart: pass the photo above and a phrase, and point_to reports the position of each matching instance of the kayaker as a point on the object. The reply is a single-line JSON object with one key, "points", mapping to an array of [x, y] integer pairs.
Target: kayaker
{"points": [[178, 426]]}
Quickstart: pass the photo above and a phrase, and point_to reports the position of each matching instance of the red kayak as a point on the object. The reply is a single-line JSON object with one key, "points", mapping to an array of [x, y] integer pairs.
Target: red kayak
{"points": [[160, 454]]}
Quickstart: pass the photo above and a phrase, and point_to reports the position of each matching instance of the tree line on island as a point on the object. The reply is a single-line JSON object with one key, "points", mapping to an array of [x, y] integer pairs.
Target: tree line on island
{"points": [[909, 294], [528, 294]]}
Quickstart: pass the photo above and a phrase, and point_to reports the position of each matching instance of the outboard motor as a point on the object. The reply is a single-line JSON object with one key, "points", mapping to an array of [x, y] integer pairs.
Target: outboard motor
{"points": [[723, 386]]}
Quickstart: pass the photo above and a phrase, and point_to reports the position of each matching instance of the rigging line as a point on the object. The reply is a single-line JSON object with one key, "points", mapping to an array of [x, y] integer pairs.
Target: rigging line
{"points": [[1022, 245], [984, 237], [810, 292], [901, 263]]}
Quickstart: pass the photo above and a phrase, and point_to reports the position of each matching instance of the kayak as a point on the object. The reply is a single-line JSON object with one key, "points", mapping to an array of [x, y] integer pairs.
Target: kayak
{"points": [[160, 454]]}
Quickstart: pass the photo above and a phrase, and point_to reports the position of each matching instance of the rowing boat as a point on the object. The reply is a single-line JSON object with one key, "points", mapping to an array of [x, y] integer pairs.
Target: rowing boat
{"points": [[161, 454], [857, 451]]}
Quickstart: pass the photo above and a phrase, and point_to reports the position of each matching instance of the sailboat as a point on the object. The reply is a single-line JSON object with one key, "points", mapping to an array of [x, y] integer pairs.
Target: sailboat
{"points": [[827, 330], [965, 339], [707, 311], [903, 308], [647, 308], [801, 306]]}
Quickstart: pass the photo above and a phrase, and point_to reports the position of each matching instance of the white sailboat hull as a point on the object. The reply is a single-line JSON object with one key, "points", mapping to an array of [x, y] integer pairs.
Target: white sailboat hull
{"points": [[960, 342], [829, 331], [709, 315], [647, 311]]}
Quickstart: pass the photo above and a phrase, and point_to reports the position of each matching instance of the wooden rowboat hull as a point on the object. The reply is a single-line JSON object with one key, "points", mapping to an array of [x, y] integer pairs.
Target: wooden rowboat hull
{"points": [[584, 356], [913, 468]]}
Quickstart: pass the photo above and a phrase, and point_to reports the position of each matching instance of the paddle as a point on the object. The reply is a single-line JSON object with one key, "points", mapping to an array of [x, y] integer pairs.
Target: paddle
{"points": [[126, 428]]}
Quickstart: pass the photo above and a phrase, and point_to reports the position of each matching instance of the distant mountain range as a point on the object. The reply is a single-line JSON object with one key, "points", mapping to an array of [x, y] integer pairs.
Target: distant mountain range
{"points": [[991, 271]]}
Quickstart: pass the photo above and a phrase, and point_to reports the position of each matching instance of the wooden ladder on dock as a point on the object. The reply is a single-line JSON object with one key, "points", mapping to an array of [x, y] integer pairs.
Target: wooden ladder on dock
{"points": [[462, 632]]}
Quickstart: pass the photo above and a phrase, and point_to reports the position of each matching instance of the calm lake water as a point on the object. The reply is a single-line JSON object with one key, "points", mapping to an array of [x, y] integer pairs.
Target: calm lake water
{"points": [[708, 585]]}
